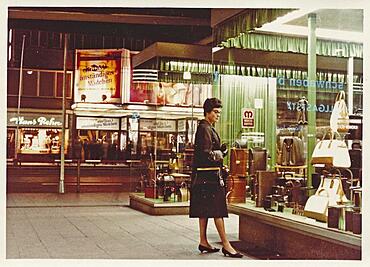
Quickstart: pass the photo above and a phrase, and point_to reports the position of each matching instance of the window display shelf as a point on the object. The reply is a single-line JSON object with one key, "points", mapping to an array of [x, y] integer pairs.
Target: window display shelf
{"points": [[294, 236], [154, 206]]}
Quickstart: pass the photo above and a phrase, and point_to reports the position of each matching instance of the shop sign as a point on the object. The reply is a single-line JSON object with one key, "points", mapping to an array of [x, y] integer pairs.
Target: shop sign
{"points": [[181, 126], [281, 81], [31, 120], [248, 118], [296, 106], [101, 74], [158, 125], [90, 123]]}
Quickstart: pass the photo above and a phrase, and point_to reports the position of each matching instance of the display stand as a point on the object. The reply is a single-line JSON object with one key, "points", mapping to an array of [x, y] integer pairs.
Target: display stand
{"points": [[294, 236]]}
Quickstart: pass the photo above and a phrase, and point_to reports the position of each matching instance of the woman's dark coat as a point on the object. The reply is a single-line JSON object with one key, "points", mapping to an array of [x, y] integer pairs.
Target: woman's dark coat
{"points": [[207, 197]]}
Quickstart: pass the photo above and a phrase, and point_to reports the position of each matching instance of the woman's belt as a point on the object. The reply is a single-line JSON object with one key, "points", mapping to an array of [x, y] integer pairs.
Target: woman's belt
{"points": [[209, 169]]}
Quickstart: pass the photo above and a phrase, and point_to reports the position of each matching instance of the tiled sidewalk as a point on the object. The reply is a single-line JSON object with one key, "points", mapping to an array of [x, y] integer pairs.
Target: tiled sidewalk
{"points": [[101, 226]]}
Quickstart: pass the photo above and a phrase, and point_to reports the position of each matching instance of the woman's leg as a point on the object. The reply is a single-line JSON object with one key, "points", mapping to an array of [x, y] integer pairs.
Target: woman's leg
{"points": [[203, 232], [220, 225]]}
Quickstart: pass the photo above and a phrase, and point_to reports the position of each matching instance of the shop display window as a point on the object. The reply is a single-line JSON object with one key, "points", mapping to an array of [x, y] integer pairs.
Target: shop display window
{"points": [[41, 141], [170, 94], [99, 144]]}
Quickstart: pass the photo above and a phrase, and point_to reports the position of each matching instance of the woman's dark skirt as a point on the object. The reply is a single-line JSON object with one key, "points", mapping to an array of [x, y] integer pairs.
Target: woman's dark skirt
{"points": [[207, 196]]}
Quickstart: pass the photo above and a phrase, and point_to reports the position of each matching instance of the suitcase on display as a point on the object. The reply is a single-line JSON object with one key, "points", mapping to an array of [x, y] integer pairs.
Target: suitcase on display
{"points": [[265, 181]]}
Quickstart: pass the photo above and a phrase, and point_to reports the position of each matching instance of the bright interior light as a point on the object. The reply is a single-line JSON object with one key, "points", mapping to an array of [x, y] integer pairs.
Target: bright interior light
{"points": [[10, 53], [187, 75], [216, 48], [279, 26]]}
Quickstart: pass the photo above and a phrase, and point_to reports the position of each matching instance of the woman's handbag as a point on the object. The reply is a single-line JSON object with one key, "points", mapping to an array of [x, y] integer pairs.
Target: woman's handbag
{"points": [[317, 205], [339, 119], [329, 193], [333, 152], [208, 176]]}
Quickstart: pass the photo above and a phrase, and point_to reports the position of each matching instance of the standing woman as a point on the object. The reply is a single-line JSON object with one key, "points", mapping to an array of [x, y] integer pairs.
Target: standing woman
{"points": [[208, 197]]}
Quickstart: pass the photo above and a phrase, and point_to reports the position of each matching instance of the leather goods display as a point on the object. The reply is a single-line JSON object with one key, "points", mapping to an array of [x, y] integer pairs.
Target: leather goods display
{"points": [[348, 220], [151, 192], [265, 181], [257, 160], [317, 205], [339, 119], [291, 151], [329, 193], [333, 152], [236, 191], [184, 192], [355, 127], [333, 217], [356, 223], [238, 161]]}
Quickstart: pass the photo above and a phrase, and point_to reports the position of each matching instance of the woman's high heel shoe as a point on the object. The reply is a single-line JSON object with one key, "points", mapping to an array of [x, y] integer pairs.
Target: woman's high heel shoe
{"points": [[207, 249], [227, 253]]}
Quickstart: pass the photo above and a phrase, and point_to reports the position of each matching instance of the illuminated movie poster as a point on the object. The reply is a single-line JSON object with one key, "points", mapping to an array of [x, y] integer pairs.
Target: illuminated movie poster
{"points": [[101, 75], [164, 93]]}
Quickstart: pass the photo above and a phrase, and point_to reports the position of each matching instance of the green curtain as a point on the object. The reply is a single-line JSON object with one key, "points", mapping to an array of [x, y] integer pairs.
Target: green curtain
{"points": [[238, 92], [279, 43], [245, 21], [202, 71]]}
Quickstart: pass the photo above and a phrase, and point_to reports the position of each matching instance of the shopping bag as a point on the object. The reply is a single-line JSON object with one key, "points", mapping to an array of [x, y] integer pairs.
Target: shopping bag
{"points": [[339, 119]]}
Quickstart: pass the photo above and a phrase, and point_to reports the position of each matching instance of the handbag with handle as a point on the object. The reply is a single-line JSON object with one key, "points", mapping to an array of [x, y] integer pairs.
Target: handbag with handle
{"points": [[339, 119], [333, 152], [329, 193], [317, 205]]}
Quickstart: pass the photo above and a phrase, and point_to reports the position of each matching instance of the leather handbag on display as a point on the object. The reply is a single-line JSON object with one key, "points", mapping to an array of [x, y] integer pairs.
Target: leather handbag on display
{"points": [[333, 152], [329, 193], [257, 160], [317, 205], [236, 189], [339, 119], [265, 181], [238, 161]]}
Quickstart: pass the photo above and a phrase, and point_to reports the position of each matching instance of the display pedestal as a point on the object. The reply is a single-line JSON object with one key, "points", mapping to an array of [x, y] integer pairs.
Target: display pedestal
{"points": [[294, 236], [154, 206]]}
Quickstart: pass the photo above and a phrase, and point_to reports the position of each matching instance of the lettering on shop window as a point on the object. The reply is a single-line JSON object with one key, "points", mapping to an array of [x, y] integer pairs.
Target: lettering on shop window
{"points": [[307, 83], [296, 106], [40, 121]]}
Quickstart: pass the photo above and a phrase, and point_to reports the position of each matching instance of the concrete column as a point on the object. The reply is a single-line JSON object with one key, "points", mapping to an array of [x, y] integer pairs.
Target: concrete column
{"points": [[311, 133]]}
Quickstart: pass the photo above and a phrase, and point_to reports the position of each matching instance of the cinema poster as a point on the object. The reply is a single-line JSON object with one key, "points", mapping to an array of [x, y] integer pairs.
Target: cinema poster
{"points": [[101, 76]]}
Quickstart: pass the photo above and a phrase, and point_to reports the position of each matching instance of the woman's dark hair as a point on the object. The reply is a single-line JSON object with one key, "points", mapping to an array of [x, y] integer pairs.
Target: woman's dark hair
{"points": [[210, 104]]}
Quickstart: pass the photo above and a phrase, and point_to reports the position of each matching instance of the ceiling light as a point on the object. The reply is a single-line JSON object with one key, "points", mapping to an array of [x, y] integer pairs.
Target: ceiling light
{"points": [[279, 26]]}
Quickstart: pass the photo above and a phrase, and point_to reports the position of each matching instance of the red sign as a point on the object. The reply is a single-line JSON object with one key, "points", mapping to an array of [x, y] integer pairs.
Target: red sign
{"points": [[247, 118]]}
